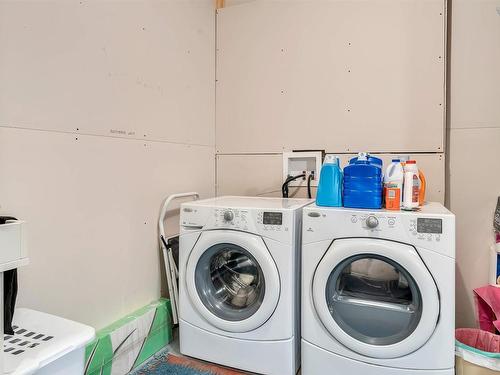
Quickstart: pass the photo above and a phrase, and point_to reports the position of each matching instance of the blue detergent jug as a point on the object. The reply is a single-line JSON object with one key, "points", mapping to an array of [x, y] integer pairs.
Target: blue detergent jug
{"points": [[330, 183], [363, 185], [371, 159]]}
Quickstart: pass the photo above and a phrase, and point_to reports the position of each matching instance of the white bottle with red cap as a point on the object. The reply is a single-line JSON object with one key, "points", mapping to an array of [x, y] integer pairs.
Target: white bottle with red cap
{"points": [[411, 186]]}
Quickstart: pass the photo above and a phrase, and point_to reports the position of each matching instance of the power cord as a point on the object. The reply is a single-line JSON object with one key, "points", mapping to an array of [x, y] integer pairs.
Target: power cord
{"points": [[284, 187]]}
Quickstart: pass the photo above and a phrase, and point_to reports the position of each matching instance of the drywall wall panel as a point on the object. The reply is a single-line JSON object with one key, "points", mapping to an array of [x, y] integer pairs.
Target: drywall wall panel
{"points": [[474, 189], [474, 145], [475, 58], [248, 174], [336, 75], [263, 174], [136, 69], [92, 206]]}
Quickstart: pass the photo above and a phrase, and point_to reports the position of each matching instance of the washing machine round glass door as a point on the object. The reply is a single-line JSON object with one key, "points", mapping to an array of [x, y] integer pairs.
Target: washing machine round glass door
{"points": [[233, 280], [376, 297]]}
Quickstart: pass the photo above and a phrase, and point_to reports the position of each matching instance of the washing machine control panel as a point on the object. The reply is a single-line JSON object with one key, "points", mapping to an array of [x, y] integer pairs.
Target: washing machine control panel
{"points": [[231, 218], [270, 223]]}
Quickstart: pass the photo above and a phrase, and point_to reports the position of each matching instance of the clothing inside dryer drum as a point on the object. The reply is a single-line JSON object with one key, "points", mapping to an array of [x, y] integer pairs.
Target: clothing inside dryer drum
{"points": [[374, 299], [230, 282]]}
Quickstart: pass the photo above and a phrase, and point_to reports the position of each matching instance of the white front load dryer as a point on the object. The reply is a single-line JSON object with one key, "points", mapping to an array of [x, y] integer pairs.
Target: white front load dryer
{"points": [[378, 291], [239, 282]]}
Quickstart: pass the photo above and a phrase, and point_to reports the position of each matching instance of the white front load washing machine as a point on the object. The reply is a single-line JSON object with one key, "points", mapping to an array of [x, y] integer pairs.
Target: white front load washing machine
{"points": [[239, 282], [378, 291]]}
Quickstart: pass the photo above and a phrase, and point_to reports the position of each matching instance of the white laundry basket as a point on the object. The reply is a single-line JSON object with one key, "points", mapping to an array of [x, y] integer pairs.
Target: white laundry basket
{"points": [[45, 344]]}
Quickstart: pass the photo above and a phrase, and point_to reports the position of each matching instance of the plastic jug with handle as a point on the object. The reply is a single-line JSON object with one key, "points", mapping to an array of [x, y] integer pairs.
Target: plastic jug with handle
{"points": [[421, 177], [330, 183], [393, 185], [414, 186], [370, 158], [363, 183]]}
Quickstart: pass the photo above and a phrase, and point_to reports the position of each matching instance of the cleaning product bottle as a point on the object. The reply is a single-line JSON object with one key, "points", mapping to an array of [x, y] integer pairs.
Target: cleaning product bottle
{"points": [[411, 190], [363, 183], [495, 249], [330, 183], [495, 261], [421, 176], [393, 185], [423, 187], [371, 159]]}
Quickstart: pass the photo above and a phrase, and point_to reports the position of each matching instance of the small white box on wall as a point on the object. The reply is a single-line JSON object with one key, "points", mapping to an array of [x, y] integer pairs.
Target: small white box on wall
{"points": [[302, 162]]}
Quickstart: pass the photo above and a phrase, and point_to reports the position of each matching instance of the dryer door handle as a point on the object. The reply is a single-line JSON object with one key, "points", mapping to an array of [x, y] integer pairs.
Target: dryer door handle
{"points": [[408, 309]]}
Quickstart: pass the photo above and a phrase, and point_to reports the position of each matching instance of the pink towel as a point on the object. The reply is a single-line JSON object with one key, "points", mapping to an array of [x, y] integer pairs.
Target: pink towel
{"points": [[488, 308]]}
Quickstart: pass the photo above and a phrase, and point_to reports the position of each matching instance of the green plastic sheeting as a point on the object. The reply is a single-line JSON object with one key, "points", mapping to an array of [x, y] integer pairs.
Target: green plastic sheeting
{"points": [[125, 344]]}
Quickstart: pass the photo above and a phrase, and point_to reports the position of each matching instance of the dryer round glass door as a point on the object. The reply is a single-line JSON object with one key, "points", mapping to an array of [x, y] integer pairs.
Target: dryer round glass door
{"points": [[230, 282], [376, 297]]}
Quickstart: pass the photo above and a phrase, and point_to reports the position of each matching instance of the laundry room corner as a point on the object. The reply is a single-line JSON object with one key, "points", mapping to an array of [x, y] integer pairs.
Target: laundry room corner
{"points": [[96, 128], [231, 187]]}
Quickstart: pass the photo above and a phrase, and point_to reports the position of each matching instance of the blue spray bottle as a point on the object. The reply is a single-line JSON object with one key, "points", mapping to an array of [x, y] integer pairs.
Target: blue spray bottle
{"points": [[330, 183]]}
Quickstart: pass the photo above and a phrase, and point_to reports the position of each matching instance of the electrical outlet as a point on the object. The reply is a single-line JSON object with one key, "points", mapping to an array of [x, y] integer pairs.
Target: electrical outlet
{"points": [[302, 162]]}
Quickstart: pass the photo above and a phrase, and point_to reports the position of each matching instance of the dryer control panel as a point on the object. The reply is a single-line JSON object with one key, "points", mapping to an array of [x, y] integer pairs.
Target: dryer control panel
{"points": [[421, 228], [432, 227]]}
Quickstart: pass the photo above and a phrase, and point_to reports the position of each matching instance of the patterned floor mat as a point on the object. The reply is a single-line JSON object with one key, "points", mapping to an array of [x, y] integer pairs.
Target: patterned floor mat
{"points": [[164, 363]]}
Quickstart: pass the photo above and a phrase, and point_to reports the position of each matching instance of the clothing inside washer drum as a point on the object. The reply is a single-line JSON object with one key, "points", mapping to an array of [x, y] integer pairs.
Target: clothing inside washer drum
{"points": [[230, 282]]}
